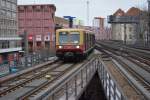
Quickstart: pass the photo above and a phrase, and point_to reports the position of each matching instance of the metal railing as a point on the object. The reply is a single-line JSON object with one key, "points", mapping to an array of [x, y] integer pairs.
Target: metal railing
{"points": [[110, 86], [71, 86], [7, 67], [123, 19]]}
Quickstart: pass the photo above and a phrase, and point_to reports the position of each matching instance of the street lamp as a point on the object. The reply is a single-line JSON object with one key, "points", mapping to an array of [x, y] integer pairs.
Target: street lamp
{"points": [[148, 34], [70, 20], [88, 11]]}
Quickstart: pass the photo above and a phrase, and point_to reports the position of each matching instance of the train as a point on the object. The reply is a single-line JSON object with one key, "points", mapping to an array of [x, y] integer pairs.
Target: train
{"points": [[74, 43]]}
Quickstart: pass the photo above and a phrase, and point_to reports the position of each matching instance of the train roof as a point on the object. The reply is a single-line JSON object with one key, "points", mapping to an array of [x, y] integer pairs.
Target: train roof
{"points": [[74, 29]]}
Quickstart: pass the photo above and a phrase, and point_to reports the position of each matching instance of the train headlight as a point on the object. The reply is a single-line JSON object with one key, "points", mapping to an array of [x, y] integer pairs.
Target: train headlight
{"points": [[78, 46], [60, 47]]}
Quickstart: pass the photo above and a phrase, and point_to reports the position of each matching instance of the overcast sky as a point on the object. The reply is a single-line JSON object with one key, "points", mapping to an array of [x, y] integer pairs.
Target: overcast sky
{"points": [[77, 8]]}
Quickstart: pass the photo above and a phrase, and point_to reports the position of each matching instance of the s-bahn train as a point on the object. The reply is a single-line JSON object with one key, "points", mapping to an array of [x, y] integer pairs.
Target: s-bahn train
{"points": [[74, 43]]}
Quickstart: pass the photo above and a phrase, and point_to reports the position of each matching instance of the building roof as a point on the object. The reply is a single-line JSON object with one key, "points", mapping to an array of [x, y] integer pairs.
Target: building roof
{"points": [[133, 12], [99, 18], [51, 5], [59, 20], [119, 12]]}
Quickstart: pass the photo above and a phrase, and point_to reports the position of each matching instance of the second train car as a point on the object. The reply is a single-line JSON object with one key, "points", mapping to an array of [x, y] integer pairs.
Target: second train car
{"points": [[74, 43]]}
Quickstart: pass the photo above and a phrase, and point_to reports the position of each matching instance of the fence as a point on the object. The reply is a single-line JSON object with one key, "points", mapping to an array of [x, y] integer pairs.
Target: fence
{"points": [[71, 86], [33, 59], [109, 85]]}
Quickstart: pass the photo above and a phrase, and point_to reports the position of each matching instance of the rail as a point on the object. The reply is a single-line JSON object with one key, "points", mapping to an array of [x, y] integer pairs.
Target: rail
{"points": [[133, 74], [110, 86], [72, 85]]}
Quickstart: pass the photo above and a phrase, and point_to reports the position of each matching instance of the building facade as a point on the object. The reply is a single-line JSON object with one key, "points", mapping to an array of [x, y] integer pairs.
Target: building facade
{"points": [[38, 21], [125, 25], [118, 28], [101, 30], [61, 22], [10, 43]]}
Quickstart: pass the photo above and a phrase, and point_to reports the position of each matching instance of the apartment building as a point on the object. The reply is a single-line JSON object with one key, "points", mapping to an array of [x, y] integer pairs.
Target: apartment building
{"points": [[9, 41]]}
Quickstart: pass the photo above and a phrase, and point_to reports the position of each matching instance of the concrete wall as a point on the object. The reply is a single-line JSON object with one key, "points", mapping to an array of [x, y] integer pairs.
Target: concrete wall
{"points": [[131, 33], [118, 32]]}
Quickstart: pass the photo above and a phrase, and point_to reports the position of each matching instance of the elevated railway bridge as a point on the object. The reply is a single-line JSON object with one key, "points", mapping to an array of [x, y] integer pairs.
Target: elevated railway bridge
{"points": [[123, 74]]}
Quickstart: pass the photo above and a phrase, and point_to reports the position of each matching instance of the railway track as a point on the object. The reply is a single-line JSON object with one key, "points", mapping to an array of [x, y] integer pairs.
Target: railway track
{"points": [[46, 84], [12, 83], [26, 86], [26, 72], [141, 76], [35, 82], [135, 56]]}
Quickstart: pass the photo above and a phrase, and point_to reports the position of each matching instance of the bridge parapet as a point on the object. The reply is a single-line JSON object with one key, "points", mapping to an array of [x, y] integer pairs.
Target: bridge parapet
{"points": [[111, 89], [115, 85], [71, 86]]}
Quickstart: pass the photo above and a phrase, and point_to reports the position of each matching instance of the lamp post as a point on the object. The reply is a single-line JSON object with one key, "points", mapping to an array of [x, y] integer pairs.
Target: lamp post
{"points": [[26, 47], [88, 11], [70, 20], [148, 34]]}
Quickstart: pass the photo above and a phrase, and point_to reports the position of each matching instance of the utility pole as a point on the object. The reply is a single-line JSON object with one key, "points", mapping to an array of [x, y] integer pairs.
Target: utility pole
{"points": [[148, 34], [34, 1], [88, 11], [26, 47], [125, 35]]}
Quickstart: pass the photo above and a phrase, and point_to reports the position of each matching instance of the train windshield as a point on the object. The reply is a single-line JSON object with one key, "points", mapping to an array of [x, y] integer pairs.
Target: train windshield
{"points": [[66, 37], [63, 37], [74, 37]]}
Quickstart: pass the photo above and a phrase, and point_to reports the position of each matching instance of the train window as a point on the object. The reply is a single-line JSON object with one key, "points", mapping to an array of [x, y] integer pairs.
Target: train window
{"points": [[74, 37], [63, 37]]}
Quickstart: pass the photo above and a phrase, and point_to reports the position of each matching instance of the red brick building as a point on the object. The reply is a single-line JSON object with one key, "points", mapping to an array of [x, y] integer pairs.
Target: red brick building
{"points": [[38, 22]]}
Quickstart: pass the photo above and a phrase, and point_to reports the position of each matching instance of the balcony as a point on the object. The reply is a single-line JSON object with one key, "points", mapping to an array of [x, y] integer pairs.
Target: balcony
{"points": [[10, 49], [10, 38], [123, 19]]}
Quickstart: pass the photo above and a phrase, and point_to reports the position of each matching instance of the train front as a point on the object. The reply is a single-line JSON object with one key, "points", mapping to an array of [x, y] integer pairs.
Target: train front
{"points": [[69, 44]]}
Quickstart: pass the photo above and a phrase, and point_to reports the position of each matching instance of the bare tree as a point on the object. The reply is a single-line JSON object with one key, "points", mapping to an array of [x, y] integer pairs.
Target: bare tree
{"points": [[144, 25]]}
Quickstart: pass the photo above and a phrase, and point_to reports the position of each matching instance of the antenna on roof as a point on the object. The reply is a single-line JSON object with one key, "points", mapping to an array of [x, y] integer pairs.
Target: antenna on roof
{"points": [[88, 10], [34, 1]]}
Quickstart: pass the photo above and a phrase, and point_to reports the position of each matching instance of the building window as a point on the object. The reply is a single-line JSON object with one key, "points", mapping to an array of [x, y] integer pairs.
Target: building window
{"points": [[3, 12], [14, 7], [130, 29], [4, 44], [3, 3], [8, 13], [13, 15], [130, 36], [8, 5]]}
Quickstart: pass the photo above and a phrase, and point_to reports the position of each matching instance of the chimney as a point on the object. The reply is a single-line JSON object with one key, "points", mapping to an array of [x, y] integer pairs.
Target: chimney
{"points": [[101, 22], [148, 5]]}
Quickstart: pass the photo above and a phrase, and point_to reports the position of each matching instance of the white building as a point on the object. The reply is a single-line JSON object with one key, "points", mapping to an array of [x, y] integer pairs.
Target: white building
{"points": [[9, 40], [125, 26]]}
